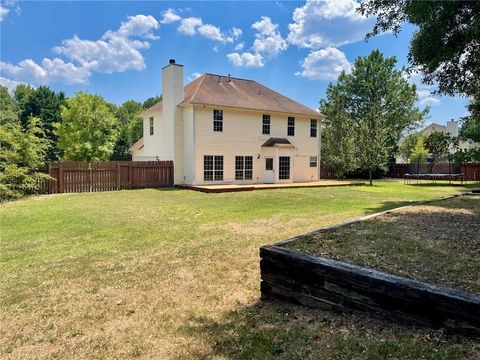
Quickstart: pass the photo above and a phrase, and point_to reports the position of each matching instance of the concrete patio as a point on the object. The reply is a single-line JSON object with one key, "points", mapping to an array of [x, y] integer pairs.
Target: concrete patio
{"points": [[251, 187]]}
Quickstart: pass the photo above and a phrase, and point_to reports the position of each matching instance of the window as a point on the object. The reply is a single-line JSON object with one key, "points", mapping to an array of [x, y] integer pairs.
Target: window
{"points": [[243, 167], [213, 168], [313, 128], [266, 125], [269, 164], [291, 126], [151, 126], [284, 167], [217, 120], [313, 161]]}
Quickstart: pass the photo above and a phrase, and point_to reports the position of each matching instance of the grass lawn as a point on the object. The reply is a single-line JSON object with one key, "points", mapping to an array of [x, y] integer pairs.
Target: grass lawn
{"points": [[175, 274], [438, 243]]}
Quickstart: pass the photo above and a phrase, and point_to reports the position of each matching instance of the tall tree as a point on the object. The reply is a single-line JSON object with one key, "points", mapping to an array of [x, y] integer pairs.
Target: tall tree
{"points": [[44, 104], [88, 129], [338, 130], [131, 129], [408, 144], [445, 46], [437, 144], [22, 151], [381, 105]]}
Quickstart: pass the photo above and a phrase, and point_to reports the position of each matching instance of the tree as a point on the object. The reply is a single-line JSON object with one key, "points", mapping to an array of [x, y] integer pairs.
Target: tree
{"points": [[380, 103], [22, 151], [131, 129], [338, 131], [45, 105], [419, 154], [446, 46], [470, 129], [437, 144], [88, 129], [408, 145], [151, 101]]}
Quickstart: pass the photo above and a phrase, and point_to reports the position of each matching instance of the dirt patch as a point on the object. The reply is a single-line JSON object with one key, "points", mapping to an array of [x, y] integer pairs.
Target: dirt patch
{"points": [[437, 243]]}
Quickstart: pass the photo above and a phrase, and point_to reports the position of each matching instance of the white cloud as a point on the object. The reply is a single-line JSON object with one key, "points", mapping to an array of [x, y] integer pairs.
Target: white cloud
{"points": [[324, 64], [3, 12], [50, 70], [422, 94], [169, 16], [239, 46], [268, 44], [194, 25], [215, 49], [116, 51], [246, 59], [194, 75], [268, 40], [189, 25], [321, 24], [430, 101], [10, 84]]}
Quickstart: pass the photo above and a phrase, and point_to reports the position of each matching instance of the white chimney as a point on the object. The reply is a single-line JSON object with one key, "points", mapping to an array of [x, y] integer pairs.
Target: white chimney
{"points": [[452, 127], [172, 95]]}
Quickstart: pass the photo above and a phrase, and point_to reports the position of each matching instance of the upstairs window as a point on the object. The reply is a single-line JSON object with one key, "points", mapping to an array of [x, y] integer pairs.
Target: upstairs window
{"points": [[243, 167], [291, 126], [217, 120], [213, 168], [266, 125], [313, 161], [313, 128], [151, 126]]}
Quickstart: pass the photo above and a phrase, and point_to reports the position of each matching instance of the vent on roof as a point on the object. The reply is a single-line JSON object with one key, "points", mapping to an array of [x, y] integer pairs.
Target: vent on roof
{"points": [[229, 78], [171, 61], [219, 78]]}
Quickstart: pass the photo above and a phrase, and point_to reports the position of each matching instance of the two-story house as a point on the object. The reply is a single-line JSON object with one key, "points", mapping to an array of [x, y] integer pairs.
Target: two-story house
{"points": [[221, 129]]}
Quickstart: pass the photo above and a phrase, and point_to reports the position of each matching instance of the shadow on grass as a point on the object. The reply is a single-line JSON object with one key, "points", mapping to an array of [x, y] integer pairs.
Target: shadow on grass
{"points": [[271, 329]]}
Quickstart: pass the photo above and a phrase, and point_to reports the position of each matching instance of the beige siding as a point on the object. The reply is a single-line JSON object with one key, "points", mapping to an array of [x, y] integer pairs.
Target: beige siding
{"points": [[153, 143], [242, 135], [188, 145]]}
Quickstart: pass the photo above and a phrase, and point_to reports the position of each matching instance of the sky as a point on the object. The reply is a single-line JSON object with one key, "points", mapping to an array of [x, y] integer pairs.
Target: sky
{"points": [[117, 48]]}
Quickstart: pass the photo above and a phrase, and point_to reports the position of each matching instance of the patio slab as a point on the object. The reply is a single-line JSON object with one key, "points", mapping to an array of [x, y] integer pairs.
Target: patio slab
{"points": [[251, 187]]}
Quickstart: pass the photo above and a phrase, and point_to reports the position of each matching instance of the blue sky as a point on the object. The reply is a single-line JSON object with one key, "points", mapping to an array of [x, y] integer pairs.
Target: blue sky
{"points": [[117, 48]]}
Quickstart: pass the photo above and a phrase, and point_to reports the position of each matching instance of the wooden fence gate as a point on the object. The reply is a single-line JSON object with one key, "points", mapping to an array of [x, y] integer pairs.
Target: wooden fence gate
{"points": [[79, 176]]}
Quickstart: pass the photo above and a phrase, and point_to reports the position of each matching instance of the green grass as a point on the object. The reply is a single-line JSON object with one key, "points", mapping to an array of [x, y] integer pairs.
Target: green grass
{"points": [[174, 274]]}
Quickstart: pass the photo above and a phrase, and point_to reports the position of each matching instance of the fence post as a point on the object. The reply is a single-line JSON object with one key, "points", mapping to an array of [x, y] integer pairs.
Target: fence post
{"points": [[129, 175], [90, 177], [60, 178], [118, 176]]}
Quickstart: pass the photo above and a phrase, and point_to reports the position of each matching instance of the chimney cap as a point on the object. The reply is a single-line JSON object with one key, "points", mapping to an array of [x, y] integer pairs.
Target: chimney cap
{"points": [[171, 61]]}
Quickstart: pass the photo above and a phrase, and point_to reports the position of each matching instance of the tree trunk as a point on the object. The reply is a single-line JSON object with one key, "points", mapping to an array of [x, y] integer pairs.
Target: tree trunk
{"points": [[370, 176]]}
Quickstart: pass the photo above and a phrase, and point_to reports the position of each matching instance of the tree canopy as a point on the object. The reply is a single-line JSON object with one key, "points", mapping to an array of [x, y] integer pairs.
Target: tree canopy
{"points": [[446, 44], [379, 103], [88, 130]]}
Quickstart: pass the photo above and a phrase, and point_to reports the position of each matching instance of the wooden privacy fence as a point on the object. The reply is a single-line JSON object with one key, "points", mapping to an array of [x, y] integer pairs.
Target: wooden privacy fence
{"points": [[79, 176], [471, 171]]}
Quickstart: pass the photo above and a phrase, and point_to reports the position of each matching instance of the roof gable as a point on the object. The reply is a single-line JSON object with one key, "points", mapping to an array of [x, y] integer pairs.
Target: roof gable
{"points": [[217, 90]]}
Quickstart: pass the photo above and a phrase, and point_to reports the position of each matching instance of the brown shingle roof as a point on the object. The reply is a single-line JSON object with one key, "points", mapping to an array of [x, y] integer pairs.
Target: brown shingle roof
{"points": [[137, 146], [211, 89], [276, 141]]}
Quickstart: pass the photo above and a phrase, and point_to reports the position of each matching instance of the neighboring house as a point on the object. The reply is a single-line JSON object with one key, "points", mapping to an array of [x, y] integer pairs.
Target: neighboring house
{"points": [[451, 128], [221, 129]]}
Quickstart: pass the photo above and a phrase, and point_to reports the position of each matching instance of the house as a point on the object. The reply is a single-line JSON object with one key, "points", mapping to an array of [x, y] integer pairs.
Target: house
{"points": [[450, 128], [221, 129]]}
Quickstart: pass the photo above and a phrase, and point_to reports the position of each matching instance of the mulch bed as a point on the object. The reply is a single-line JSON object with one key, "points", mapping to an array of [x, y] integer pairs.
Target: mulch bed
{"points": [[437, 243]]}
